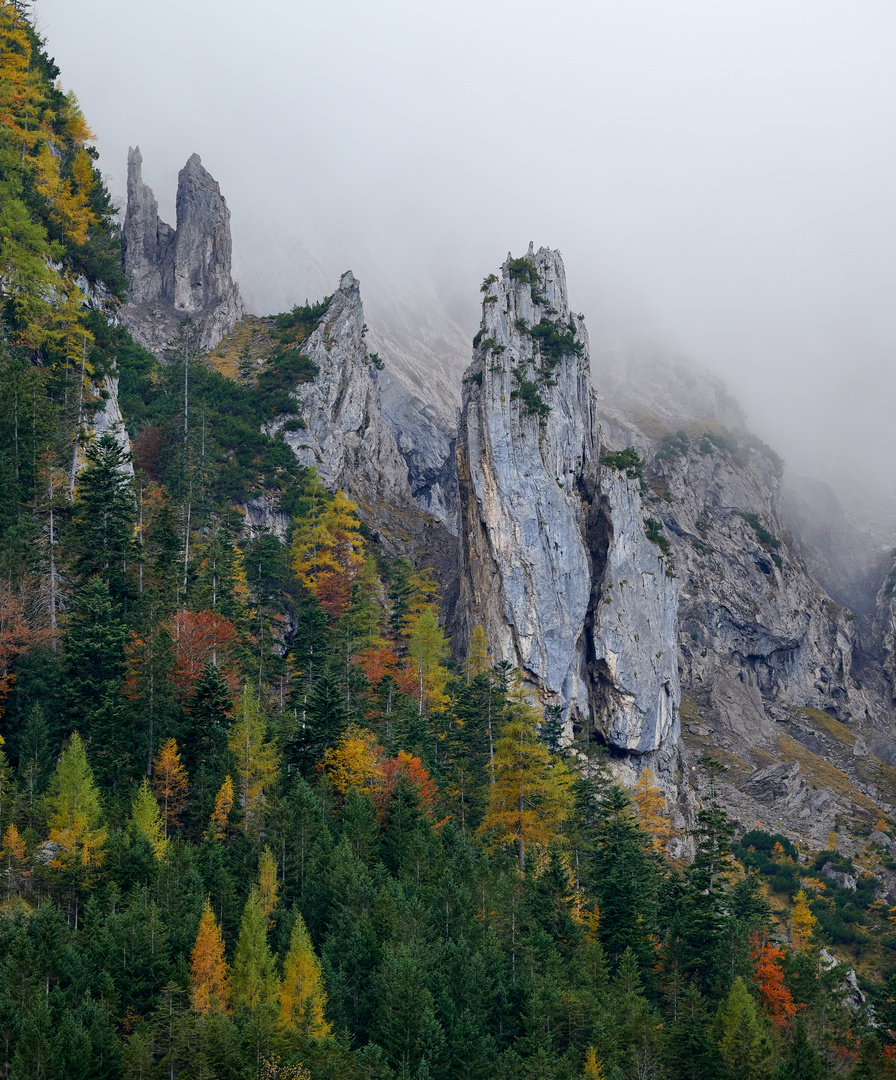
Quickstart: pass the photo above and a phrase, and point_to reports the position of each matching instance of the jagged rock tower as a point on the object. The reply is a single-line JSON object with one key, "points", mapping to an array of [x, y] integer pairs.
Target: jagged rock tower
{"points": [[173, 273], [556, 563]]}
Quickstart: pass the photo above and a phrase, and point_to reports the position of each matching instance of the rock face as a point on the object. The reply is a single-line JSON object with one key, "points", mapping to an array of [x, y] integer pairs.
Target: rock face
{"points": [[346, 437], [174, 273], [546, 534]]}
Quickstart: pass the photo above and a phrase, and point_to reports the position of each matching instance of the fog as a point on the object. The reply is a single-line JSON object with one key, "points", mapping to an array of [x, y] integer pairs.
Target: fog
{"points": [[718, 176]]}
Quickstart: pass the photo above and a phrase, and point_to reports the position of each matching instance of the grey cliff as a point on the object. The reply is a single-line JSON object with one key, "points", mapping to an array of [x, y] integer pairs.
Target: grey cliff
{"points": [[175, 273]]}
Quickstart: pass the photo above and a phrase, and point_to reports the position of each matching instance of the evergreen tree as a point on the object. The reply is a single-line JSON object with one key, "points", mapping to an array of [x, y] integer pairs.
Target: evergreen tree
{"points": [[690, 1053], [103, 519], [743, 1042], [95, 649]]}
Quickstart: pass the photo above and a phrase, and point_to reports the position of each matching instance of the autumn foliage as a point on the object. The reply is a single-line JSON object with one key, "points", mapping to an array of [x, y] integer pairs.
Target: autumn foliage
{"points": [[208, 968], [777, 1001], [199, 638]]}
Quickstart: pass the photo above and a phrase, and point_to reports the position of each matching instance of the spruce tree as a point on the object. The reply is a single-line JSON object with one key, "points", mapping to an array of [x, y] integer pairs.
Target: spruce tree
{"points": [[103, 519]]}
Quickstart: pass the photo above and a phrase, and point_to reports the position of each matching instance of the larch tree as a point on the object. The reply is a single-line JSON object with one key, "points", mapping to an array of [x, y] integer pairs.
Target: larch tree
{"points": [[254, 978], [777, 1001], [740, 1034], [651, 806], [267, 883], [169, 782], [208, 968], [531, 797], [147, 819], [256, 757], [327, 552], [354, 762], [74, 812], [802, 922], [217, 827], [303, 999]]}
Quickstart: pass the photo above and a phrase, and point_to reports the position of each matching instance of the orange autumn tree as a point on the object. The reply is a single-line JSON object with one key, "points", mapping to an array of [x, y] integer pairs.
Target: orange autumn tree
{"points": [[208, 968], [327, 552], [652, 813], [16, 635], [169, 782], [776, 999], [415, 772], [200, 638]]}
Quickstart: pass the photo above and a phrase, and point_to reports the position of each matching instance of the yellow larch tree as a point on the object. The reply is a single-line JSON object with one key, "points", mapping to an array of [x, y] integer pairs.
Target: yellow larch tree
{"points": [[531, 796], [208, 968], [594, 1069], [802, 922], [303, 998], [327, 552], [217, 827], [477, 653], [651, 806], [169, 782], [354, 761], [256, 758]]}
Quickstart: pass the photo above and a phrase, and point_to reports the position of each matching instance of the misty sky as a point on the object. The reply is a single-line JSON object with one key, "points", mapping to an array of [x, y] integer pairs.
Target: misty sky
{"points": [[720, 176]]}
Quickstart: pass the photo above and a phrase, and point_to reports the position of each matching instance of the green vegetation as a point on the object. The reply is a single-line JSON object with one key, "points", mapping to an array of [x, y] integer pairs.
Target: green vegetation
{"points": [[487, 283], [673, 446], [522, 270], [628, 461], [528, 392], [770, 542]]}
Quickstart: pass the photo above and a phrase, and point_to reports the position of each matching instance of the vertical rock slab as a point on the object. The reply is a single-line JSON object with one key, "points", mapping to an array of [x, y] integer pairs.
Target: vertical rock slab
{"points": [[175, 273], [525, 446], [635, 627], [556, 562]]}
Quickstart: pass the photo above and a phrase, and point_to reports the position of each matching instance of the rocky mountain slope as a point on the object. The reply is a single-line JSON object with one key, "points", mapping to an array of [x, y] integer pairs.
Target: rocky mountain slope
{"points": [[628, 545]]}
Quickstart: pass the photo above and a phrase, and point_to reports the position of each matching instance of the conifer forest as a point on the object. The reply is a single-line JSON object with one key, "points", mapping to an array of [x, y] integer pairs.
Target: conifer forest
{"points": [[264, 813]]}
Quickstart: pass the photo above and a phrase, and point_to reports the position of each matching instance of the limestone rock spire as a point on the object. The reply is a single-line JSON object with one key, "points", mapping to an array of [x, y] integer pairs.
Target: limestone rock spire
{"points": [[173, 273]]}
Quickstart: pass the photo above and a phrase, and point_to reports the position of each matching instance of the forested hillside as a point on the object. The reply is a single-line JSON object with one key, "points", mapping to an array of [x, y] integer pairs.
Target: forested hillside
{"points": [[257, 818]]}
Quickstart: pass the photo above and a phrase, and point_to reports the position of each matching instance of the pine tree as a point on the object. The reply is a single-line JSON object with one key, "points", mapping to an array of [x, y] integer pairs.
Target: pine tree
{"points": [[209, 706], [95, 649], [208, 968], [801, 1059], [690, 1052], [303, 999], [34, 755], [254, 980]]}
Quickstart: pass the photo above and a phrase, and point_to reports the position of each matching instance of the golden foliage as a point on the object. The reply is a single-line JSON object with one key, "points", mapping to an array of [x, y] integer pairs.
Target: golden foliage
{"points": [[531, 795], [802, 923], [355, 762], [303, 998], [223, 805], [651, 806], [327, 552], [594, 1069], [169, 782], [208, 968], [75, 812]]}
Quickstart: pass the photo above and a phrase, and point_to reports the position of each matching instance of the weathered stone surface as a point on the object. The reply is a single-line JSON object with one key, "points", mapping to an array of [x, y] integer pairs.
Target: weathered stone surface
{"points": [[108, 417], [174, 273], [546, 534], [635, 627], [839, 877]]}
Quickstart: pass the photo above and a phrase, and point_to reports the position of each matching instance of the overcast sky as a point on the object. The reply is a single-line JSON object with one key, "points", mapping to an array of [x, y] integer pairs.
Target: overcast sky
{"points": [[720, 175]]}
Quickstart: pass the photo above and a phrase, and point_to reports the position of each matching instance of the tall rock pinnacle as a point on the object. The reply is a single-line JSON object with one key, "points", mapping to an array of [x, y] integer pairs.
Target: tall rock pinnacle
{"points": [[174, 273], [549, 539]]}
